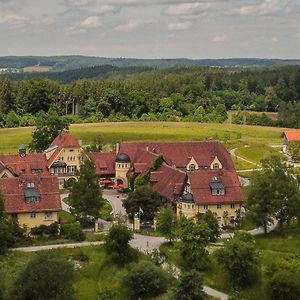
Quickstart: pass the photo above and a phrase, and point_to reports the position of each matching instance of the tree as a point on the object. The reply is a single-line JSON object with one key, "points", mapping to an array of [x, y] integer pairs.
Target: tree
{"points": [[145, 198], [145, 279], [116, 244], [211, 220], [45, 277], [166, 223], [294, 150], [274, 194], [85, 195], [190, 287], [48, 128], [194, 240], [6, 236], [5, 95], [240, 259], [284, 285]]}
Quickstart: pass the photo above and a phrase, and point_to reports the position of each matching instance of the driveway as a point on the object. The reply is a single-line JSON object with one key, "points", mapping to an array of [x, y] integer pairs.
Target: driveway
{"points": [[115, 200]]}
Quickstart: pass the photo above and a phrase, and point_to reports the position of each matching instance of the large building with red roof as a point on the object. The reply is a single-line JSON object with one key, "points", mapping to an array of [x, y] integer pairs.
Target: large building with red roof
{"points": [[33, 199], [193, 177], [288, 137]]}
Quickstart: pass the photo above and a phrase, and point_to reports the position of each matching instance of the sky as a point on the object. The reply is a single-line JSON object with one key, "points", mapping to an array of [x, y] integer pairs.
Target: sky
{"points": [[151, 28]]}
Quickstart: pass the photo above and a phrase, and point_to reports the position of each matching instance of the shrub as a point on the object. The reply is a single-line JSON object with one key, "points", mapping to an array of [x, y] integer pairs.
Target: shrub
{"points": [[144, 279], [72, 231], [81, 256]]}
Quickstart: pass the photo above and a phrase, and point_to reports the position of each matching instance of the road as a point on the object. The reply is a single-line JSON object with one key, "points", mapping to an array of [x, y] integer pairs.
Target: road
{"points": [[140, 242], [115, 200]]}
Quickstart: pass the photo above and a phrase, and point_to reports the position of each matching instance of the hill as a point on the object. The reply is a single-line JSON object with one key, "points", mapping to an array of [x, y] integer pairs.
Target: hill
{"points": [[63, 63]]}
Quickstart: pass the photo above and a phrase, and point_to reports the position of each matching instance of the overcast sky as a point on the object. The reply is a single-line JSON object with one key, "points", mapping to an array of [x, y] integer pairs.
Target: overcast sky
{"points": [[151, 28]]}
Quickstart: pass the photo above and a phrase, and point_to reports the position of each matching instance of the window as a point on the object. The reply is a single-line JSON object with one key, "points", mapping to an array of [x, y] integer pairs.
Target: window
{"points": [[33, 215], [71, 169], [232, 205], [216, 166], [61, 181], [48, 216], [219, 206], [232, 217], [36, 171], [30, 184], [193, 206], [189, 207], [205, 206], [192, 167]]}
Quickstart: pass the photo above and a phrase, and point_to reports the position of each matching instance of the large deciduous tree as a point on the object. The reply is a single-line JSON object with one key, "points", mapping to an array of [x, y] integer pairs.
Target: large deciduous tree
{"points": [[6, 235], [211, 220], [166, 222], [194, 238], [86, 196], [45, 277], [117, 244], [142, 198], [48, 127], [190, 287], [240, 259], [274, 194]]}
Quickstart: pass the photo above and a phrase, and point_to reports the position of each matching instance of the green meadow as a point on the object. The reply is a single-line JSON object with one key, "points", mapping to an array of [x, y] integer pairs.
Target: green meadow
{"points": [[231, 135]]}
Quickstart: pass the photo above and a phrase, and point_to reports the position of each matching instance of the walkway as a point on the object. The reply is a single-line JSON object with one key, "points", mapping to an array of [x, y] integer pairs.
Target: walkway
{"points": [[115, 200], [232, 152]]}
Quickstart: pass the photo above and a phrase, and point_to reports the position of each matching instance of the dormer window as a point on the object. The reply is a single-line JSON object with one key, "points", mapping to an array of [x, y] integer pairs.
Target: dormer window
{"points": [[192, 167], [32, 195], [217, 188], [30, 185], [216, 166]]}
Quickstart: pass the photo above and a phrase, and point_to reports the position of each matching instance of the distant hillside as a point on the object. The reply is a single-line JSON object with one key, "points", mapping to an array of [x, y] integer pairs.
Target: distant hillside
{"points": [[63, 63], [99, 72]]}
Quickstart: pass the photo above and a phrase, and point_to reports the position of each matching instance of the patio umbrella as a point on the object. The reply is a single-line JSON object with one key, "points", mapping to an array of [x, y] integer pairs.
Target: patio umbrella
{"points": [[106, 181], [122, 186], [114, 186]]}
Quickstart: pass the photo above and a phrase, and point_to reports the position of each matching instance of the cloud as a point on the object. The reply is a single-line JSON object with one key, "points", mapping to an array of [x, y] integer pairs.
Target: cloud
{"points": [[187, 9], [220, 38], [180, 25], [13, 20], [128, 27], [267, 7], [91, 22], [274, 39]]}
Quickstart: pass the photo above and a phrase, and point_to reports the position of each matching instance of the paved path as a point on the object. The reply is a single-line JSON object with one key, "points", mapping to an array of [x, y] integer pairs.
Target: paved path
{"points": [[140, 242], [115, 200]]}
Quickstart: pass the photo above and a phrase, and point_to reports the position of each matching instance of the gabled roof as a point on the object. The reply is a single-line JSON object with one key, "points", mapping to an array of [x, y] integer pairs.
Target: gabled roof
{"points": [[62, 141], [179, 154], [14, 189], [200, 184], [292, 135], [168, 181], [143, 160], [17, 164], [104, 162]]}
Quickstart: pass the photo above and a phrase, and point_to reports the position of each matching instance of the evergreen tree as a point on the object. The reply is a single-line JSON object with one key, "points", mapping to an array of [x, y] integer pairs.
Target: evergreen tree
{"points": [[86, 196]]}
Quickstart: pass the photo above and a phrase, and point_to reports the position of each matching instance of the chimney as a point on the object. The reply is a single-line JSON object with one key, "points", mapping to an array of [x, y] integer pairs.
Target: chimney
{"points": [[117, 148]]}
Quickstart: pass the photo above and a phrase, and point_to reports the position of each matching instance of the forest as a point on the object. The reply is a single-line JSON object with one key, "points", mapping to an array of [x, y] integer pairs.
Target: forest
{"points": [[179, 93]]}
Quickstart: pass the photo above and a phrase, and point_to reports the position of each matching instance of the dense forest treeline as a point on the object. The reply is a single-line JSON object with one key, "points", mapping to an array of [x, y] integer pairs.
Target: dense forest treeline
{"points": [[173, 94], [63, 63]]}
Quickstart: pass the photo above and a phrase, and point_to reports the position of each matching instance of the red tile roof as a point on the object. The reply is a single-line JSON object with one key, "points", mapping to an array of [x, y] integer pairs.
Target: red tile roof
{"points": [[143, 160], [178, 154], [104, 162], [14, 200], [168, 181], [292, 135], [17, 164], [201, 191], [63, 140]]}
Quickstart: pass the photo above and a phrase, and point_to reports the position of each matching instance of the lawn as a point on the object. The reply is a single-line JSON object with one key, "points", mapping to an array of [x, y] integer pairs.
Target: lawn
{"points": [[232, 135], [257, 152], [99, 274]]}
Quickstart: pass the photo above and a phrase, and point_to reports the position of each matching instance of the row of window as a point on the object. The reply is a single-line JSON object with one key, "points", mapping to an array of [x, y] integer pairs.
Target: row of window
{"points": [[192, 167], [205, 206], [123, 166], [47, 215]]}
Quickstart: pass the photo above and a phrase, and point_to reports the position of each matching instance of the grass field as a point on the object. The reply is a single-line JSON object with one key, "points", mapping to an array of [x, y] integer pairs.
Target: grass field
{"points": [[231, 135], [99, 274], [256, 153]]}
